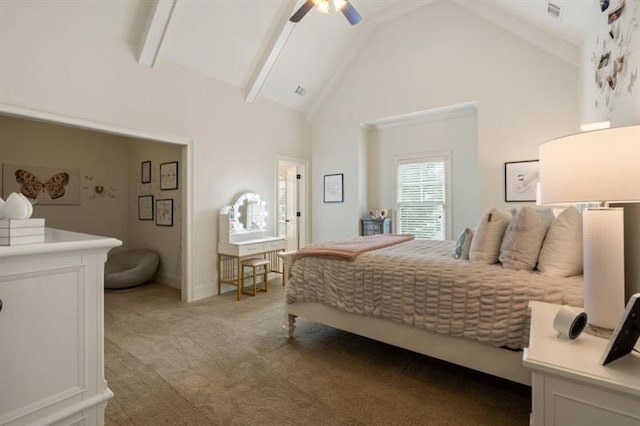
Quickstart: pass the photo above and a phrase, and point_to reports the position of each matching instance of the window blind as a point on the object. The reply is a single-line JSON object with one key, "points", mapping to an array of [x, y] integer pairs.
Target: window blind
{"points": [[421, 197]]}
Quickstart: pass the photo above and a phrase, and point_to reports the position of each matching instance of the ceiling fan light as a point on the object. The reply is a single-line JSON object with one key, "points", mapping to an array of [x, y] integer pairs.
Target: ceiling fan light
{"points": [[323, 6], [339, 4]]}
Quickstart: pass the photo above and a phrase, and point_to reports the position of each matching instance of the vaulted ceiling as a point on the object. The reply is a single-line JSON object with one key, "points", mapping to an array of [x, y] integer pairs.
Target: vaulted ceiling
{"points": [[252, 45]]}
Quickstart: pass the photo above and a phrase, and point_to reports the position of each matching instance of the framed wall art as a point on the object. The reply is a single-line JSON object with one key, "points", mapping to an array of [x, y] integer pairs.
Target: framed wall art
{"points": [[164, 212], [334, 188], [169, 175], [42, 185], [145, 172], [145, 207], [520, 179]]}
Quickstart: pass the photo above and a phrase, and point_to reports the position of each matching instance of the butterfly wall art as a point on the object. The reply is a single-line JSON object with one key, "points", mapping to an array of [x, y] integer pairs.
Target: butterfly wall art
{"points": [[42, 185]]}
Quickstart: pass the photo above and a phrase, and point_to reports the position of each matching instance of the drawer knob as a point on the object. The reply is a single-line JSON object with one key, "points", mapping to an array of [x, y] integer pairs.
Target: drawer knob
{"points": [[0, 305]]}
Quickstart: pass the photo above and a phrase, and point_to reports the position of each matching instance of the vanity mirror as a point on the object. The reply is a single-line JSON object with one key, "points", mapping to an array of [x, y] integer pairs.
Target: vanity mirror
{"points": [[248, 214]]}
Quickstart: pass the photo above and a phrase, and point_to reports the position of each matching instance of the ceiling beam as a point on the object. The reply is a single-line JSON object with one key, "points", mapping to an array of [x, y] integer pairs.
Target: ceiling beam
{"points": [[281, 35], [157, 25]]}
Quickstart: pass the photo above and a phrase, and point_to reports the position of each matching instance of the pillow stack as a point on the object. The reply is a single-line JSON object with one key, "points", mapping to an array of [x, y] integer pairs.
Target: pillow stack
{"points": [[526, 239]]}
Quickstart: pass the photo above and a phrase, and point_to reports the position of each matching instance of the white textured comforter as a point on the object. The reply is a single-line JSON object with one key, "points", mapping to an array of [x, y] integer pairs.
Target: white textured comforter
{"points": [[419, 283]]}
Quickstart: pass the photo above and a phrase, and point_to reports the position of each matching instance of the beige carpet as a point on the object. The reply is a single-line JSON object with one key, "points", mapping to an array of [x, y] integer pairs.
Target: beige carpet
{"points": [[223, 362]]}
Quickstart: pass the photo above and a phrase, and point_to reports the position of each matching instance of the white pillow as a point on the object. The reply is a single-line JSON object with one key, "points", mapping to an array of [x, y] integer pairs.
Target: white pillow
{"points": [[464, 244], [523, 238], [485, 245], [561, 252]]}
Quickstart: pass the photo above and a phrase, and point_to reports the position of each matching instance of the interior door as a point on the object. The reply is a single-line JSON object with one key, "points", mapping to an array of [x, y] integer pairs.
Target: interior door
{"points": [[288, 204]]}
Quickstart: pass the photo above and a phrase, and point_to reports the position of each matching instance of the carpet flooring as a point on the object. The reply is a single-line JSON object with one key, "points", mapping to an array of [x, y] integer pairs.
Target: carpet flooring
{"points": [[223, 362]]}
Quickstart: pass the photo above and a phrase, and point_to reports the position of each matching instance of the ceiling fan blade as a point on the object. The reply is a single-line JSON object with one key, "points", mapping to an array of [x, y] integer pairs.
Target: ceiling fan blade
{"points": [[351, 14], [307, 6]]}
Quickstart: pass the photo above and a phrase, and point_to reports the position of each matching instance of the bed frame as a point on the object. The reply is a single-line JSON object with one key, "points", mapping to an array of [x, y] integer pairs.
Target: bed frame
{"points": [[467, 353]]}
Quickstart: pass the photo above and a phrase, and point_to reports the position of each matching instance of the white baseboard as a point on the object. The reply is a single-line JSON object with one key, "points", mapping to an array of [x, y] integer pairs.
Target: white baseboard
{"points": [[168, 279], [204, 291]]}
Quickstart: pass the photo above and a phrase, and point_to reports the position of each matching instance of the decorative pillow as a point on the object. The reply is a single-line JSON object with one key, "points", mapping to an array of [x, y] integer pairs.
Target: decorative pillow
{"points": [[561, 252], [485, 245], [523, 238], [464, 244]]}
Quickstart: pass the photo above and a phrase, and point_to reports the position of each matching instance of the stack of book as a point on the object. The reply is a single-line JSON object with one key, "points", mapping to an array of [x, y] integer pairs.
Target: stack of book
{"points": [[21, 231]]}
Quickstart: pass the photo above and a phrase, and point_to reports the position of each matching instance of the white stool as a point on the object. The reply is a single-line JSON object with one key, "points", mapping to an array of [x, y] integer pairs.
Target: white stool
{"points": [[254, 263]]}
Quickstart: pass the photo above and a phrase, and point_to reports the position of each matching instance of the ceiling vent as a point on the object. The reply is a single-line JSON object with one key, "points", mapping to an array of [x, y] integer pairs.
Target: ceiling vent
{"points": [[554, 10], [300, 90]]}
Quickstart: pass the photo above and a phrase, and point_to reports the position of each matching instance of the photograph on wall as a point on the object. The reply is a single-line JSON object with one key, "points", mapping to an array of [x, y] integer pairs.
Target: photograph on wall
{"points": [[42, 185], [333, 188], [145, 172], [164, 212], [169, 175], [145, 207], [520, 180]]}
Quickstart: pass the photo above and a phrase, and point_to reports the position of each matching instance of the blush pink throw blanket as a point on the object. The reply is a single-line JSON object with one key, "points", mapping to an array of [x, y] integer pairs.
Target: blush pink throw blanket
{"points": [[353, 247]]}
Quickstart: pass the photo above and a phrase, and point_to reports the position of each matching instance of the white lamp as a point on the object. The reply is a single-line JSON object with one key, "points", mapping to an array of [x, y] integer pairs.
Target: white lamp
{"points": [[601, 166]]}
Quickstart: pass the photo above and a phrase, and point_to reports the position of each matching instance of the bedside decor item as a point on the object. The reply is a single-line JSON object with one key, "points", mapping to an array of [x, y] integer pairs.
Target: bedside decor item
{"points": [[569, 323], [145, 172], [520, 178], [169, 175], [145, 207], [596, 167], [15, 232], [164, 212], [17, 206], [333, 188]]}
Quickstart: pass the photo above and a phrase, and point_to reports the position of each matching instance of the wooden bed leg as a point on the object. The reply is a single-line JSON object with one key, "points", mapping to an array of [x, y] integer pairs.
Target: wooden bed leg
{"points": [[289, 324]]}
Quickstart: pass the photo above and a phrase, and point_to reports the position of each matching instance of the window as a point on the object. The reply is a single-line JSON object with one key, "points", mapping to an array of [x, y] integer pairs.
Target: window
{"points": [[421, 196]]}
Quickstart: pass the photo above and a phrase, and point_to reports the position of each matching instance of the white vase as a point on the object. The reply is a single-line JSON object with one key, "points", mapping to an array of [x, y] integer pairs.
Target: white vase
{"points": [[29, 206], [16, 207]]}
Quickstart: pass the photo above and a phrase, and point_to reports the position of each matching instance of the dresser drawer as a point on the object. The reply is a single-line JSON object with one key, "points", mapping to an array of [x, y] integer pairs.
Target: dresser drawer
{"points": [[249, 249], [274, 245]]}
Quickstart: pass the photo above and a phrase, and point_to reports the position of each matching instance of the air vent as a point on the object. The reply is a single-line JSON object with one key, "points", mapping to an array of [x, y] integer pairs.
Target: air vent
{"points": [[554, 10], [301, 91]]}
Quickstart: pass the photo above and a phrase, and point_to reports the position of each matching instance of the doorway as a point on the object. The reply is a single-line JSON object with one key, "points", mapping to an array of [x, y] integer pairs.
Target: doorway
{"points": [[290, 195]]}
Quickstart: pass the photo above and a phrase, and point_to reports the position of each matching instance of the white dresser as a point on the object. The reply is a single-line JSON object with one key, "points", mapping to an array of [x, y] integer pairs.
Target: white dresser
{"points": [[52, 330], [569, 386]]}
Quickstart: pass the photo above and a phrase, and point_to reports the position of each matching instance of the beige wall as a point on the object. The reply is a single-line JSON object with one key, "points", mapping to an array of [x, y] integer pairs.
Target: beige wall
{"points": [[62, 57], [441, 55], [102, 160], [145, 234], [112, 162]]}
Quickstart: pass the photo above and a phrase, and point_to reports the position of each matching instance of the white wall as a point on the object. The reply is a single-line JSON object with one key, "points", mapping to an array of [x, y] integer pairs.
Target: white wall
{"points": [[166, 240], [441, 55], [621, 105], [78, 59], [102, 160], [456, 136]]}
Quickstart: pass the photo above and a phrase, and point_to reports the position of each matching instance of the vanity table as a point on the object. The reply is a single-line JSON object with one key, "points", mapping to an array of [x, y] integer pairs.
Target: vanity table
{"points": [[243, 234]]}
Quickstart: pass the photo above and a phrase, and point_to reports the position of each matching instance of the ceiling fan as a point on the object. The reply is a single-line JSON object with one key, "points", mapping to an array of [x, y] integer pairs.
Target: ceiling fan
{"points": [[343, 6]]}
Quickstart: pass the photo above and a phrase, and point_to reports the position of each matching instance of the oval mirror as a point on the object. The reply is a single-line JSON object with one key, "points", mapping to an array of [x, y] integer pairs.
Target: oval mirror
{"points": [[248, 214]]}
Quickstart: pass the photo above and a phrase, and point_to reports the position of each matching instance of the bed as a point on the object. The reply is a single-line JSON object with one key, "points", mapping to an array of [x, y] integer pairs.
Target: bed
{"points": [[417, 296]]}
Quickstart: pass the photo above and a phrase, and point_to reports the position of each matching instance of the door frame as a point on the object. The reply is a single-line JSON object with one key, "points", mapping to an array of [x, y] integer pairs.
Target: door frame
{"points": [[187, 145], [302, 167]]}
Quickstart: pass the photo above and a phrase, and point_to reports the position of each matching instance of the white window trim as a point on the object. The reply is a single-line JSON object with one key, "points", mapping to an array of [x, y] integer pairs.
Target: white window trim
{"points": [[427, 156]]}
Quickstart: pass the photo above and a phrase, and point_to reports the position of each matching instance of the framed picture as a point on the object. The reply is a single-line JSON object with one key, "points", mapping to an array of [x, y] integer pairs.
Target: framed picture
{"points": [[42, 185], [145, 172], [520, 179], [164, 212], [333, 188], [169, 175], [145, 207]]}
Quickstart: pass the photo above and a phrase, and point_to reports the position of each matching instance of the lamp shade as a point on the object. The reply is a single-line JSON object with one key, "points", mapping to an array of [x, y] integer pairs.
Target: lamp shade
{"points": [[596, 166]]}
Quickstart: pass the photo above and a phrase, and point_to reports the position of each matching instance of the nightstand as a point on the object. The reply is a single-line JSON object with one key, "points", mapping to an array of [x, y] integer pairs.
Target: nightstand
{"points": [[369, 226], [569, 386]]}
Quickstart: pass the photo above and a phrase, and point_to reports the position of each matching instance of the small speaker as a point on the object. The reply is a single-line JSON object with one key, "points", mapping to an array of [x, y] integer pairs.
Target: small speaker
{"points": [[569, 323]]}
